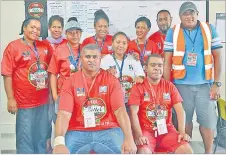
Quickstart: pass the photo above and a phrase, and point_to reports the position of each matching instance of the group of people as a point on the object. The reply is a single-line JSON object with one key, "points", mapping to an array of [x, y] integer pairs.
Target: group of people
{"points": [[110, 94]]}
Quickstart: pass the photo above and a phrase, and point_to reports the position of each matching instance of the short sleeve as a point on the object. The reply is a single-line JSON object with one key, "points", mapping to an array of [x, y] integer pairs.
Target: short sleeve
{"points": [[168, 43], [66, 96], [175, 95], [216, 41], [8, 64], [53, 65]]}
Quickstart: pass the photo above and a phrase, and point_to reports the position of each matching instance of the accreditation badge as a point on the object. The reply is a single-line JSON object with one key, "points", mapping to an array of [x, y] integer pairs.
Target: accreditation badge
{"points": [[192, 59]]}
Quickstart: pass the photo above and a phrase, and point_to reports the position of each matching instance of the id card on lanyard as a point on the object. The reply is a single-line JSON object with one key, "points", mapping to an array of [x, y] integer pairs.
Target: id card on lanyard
{"points": [[40, 75], [73, 61], [119, 68], [192, 55], [160, 126], [89, 116]]}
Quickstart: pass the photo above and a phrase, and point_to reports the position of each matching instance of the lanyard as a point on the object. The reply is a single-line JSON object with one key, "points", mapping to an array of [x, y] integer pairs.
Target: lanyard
{"points": [[119, 68], [35, 50], [86, 86], [74, 62], [142, 52], [102, 44], [193, 42]]}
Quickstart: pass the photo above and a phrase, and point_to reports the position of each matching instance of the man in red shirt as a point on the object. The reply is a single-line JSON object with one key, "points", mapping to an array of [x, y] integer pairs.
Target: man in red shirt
{"points": [[150, 106], [24, 68], [164, 20], [92, 114]]}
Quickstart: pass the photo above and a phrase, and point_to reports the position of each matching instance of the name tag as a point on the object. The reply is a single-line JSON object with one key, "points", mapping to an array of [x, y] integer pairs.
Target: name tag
{"points": [[192, 59], [161, 126], [89, 119]]}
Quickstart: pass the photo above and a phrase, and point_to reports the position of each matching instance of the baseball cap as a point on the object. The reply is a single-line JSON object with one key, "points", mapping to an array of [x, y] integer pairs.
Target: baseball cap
{"points": [[187, 6], [72, 25]]}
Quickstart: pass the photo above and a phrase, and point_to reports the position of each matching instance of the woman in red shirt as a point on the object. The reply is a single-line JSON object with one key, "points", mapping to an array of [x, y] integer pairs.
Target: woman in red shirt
{"points": [[141, 47], [65, 59], [101, 38], [24, 68]]}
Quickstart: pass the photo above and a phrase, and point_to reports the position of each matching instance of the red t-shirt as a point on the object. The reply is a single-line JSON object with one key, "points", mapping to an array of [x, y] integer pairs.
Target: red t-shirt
{"points": [[20, 62], [107, 45], [106, 96], [151, 48], [159, 39], [158, 99], [60, 63]]}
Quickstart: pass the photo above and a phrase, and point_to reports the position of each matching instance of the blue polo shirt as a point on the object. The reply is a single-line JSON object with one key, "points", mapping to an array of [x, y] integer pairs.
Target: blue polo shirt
{"points": [[194, 74]]}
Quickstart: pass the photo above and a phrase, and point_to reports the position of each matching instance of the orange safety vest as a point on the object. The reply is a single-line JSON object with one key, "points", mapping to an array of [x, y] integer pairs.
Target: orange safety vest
{"points": [[178, 67]]}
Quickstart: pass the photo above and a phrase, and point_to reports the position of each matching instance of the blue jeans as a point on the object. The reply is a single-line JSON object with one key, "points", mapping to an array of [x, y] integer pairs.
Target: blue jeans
{"points": [[102, 141], [32, 128]]}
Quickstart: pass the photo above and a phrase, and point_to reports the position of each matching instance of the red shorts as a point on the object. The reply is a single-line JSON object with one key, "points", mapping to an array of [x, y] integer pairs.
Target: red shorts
{"points": [[163, 143]]}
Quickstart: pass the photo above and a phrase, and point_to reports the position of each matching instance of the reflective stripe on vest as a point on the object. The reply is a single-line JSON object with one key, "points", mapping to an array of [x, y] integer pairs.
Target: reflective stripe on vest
{"points": [[178, 67]]}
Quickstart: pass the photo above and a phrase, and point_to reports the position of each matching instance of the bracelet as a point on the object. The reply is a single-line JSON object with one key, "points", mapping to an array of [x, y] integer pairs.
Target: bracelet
{"points": [[59, 140]]}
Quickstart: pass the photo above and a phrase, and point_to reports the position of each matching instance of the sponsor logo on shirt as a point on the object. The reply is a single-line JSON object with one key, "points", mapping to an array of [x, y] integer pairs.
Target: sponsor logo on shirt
{"points": [[46, 52], [159, 45], [103, 89], [156, 111], [109, 48], [26, 55], [38, 75], [96, 105], [146, 96], [166, 96], [80, 91], [147, 53], [131, 67]]}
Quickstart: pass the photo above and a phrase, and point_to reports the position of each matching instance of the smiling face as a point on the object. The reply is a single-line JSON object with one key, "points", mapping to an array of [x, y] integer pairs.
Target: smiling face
{"points": [[189, 19], [120, 44], [56, 29], [32, 30], [101, 28], [142, 30]]}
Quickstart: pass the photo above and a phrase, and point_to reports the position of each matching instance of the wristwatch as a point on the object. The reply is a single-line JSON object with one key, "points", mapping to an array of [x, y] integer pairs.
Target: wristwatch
{"points": [[218, 84]]}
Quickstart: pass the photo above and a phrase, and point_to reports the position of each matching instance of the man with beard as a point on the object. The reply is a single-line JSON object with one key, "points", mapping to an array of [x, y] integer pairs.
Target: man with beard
{"points": [[150, 105], [164, 20]]}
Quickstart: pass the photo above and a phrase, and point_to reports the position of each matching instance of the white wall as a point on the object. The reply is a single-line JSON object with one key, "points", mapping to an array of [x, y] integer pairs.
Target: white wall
{"points": [[13, 14]]}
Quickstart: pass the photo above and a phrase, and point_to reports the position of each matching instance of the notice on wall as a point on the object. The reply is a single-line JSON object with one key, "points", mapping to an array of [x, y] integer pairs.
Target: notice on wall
{"points": [[220, 25]]}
